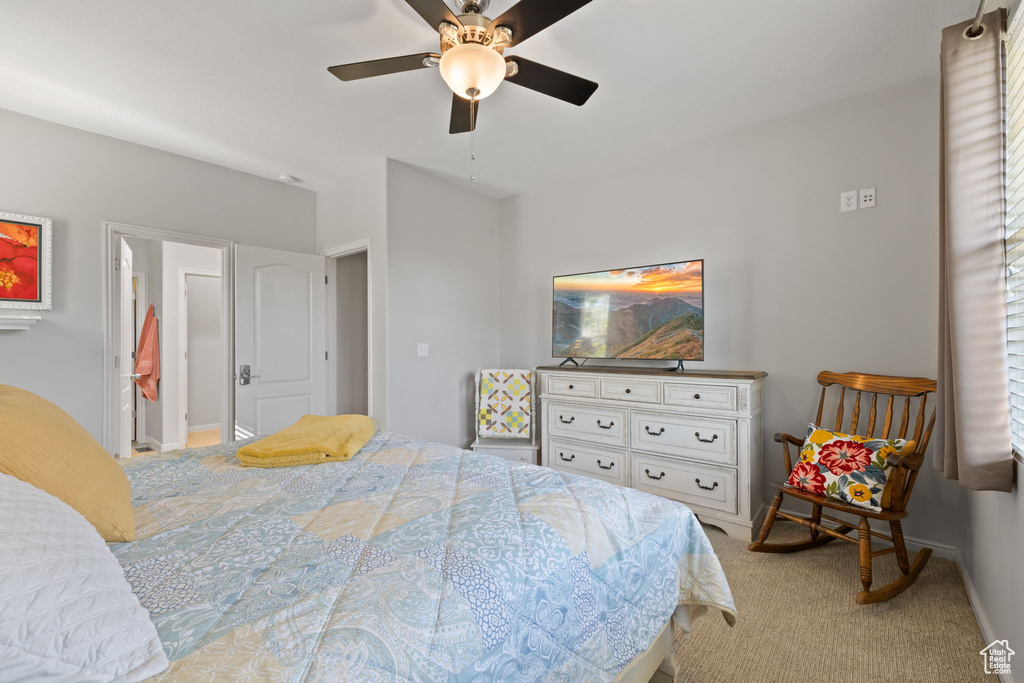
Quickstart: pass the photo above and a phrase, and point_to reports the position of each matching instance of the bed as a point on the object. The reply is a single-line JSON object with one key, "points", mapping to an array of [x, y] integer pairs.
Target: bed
{"points": [[414, 561]]}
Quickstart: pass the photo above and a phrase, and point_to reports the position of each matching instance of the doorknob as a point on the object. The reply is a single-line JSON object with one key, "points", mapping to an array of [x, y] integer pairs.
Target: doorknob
{"points": [[244, 377]]}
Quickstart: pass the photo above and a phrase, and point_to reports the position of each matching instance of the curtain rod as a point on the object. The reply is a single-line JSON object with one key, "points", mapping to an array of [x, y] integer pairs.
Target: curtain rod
{"points": [[973, 31]]}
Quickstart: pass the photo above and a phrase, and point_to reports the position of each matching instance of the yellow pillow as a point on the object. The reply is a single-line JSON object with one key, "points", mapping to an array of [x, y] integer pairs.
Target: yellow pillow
{"points": [[44, 446]]}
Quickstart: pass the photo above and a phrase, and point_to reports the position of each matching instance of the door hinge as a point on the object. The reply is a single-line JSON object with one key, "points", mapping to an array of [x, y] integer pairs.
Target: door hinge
{"points": [[325, 355], [133, 355], [186, 355], [117, 263], [186, 418], [117, 361], [134, 414], [325, 279]]}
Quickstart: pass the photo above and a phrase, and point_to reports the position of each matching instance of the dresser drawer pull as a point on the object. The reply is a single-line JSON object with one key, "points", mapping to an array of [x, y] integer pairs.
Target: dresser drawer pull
{"points": [[572, 456], [654, 477], [697, 396], [571, 386], [711, 440], [647, 428], [569, 421], [706, 488], [629, 391], [603, 467], [607, 426]]}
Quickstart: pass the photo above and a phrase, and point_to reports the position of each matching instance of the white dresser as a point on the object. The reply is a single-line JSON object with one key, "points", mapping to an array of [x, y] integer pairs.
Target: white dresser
{"points": [[694, 437]]}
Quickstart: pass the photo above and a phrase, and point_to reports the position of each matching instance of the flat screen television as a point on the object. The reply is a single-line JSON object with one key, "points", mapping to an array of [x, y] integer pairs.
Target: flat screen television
{"points": [[651, 312]]}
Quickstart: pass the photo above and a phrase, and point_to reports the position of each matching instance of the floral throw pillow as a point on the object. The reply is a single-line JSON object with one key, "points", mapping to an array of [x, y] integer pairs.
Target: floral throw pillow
{"points": [[853, 469]]}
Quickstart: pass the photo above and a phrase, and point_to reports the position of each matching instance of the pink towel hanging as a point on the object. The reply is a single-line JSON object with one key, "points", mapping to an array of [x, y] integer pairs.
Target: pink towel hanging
{"points": [[147, 356]]}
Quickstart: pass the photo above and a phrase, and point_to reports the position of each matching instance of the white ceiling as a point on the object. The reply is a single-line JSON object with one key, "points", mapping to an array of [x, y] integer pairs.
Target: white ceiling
{"points": [[244, 83]]}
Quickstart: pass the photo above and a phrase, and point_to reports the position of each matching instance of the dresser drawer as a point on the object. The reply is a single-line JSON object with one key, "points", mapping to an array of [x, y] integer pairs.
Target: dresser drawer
{"points": [[700, 396], [701, 485], [592, 461], [700, 438], [626, 390], [573, 386], [590, 423]]}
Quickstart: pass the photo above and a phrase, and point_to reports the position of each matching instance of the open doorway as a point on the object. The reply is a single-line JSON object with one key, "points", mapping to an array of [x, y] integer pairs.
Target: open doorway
{"points": [[202, 369], [150, 276], [272, 320], [353, 335], [350, 328]]}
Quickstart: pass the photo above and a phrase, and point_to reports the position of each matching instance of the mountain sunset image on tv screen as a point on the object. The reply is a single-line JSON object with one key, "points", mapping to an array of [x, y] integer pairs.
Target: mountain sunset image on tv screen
{"points": [[652, 312]]}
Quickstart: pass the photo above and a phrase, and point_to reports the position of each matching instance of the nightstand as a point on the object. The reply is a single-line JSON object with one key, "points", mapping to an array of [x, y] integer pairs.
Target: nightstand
{"points": [[513, 450]]}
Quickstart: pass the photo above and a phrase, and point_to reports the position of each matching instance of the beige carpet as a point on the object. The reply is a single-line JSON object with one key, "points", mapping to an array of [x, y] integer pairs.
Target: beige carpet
{"points": [[799, 621]]}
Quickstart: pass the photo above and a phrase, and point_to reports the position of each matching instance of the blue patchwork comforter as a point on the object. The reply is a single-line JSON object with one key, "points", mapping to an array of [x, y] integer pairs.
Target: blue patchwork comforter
{"points": [[412, 561]]}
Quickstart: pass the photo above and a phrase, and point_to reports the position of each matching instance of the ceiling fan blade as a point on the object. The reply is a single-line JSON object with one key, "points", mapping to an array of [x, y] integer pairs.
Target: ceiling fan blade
{"points": [[460, 122], [529, 17], [380, 67], [434, 12], [553, 82]]}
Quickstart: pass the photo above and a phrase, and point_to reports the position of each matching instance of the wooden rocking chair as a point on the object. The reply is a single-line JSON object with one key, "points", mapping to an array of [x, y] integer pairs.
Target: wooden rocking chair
{"points": [[902, 477]]}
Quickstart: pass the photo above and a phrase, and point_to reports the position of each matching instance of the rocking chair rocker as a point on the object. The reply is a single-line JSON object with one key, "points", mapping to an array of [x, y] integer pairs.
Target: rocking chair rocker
{"points": [[901, 477]]}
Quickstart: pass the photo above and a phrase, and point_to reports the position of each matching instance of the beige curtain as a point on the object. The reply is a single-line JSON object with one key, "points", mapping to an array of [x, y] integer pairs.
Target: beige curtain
{"points": [[973, 413]]}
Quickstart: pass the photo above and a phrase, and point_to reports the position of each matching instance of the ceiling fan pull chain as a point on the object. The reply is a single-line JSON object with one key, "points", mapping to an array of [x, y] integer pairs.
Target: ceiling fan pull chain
{"points": [[472, 135]]}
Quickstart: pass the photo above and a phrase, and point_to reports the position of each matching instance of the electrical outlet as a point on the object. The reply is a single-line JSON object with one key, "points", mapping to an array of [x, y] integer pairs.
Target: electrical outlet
{"points": [[867, 198], [422, 349], [848, 201]]}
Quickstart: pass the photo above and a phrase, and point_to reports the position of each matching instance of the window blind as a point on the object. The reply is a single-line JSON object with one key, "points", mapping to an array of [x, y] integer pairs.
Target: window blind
{"points": [[1015, 224]]}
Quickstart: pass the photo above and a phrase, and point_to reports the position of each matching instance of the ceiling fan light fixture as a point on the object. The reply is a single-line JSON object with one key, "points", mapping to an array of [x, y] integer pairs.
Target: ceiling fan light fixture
{"points": [[471, 66]]}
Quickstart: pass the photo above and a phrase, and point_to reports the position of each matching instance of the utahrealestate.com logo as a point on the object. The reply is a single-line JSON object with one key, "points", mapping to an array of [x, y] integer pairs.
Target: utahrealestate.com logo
{"points": [[997, 657]]}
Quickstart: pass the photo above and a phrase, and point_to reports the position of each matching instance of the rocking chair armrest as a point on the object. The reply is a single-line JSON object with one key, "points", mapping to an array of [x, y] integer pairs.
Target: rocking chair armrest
{"points": [[779, 438], [785, 440], [911, 462]]}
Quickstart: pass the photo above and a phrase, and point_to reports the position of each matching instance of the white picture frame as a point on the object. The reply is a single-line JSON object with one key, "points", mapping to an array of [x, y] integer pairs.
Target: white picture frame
{"points": [[43, 228]]}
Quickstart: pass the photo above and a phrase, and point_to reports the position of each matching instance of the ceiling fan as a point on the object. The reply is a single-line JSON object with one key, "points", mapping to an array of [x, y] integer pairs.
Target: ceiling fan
{"points": [[472, 60]]}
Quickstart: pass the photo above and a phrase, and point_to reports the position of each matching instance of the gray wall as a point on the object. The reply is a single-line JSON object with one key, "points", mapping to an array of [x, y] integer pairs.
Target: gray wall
{"points": [[350, 283], [356, 209], [991, 549], [792, 286], [80, 179], [442, 289], [205, 351]]}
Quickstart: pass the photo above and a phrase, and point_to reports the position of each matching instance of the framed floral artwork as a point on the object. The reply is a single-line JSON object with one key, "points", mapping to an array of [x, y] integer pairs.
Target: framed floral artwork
{"points": [[25, 269]]}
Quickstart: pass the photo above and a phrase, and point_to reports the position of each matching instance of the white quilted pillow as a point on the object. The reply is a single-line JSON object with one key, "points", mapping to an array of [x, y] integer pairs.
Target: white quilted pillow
{"points": [[66, 611]]}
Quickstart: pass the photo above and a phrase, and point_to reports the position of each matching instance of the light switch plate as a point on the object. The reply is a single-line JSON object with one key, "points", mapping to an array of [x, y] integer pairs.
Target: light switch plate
{"points": [[422, 349], [848, 201]]}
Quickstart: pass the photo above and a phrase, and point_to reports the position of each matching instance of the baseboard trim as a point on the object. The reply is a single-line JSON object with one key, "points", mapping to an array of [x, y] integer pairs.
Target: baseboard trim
{"points": [[943, 550], [163, 447], [203, 428], [988, 634]]}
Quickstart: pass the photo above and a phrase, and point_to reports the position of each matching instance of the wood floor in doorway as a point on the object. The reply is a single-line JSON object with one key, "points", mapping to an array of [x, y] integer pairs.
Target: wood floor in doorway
{"points": [[209, 437]]}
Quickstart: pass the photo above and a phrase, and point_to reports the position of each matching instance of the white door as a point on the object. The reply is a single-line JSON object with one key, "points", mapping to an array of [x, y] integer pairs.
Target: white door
{"points": [[280, 339], [126, 347]]}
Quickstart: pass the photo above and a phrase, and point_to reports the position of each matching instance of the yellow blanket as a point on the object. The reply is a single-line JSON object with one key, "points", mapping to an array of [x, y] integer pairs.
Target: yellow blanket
{"points": [[313, 439]]}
